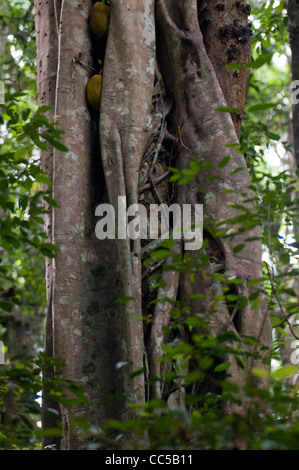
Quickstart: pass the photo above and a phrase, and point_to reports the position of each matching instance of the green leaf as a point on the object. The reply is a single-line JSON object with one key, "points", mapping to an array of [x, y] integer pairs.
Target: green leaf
{"points": [[262, 107], [38, 142], [223, 109], [20, 153], [241, 362], [192, 377], [174, 178], [49, 250], [198, 296], [26, 113], [44, 179], [136, 373], [223, 366], [283, 332], [3, 185], [6, 306], [224, 162], [231, 297], [51, 201], [219, 277], [49, 432], [43, 109], [260, 61], [284, 372], [237, 170], [235, 66], [160, 254], [238, 248], [263, 373], [185, 180], [55, 143], [206, 165]]}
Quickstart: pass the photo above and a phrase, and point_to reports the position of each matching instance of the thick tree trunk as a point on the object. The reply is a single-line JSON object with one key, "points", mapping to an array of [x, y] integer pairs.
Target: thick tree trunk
{"points": [[226, 34], [207, 133], [155, 105], [82, 324], [125, 127]]}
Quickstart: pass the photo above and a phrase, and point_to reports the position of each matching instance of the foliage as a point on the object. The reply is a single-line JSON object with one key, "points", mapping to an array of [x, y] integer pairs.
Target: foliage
{"points": [[24, 129], [202, 425], [21, 385], [21, 199]]}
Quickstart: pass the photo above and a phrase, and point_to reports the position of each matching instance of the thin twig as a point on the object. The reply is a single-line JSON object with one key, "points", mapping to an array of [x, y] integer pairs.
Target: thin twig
{"points": [[150, 269], [158, 145], [273, 290], [156, 181], [181, 141], [152, 246], [86, 66], [231, 319]]}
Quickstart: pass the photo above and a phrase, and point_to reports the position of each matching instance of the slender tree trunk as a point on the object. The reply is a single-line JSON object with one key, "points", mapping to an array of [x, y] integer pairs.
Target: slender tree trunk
{"points": [[46, 26], [163, 81], [287, 350], [293, 17]]}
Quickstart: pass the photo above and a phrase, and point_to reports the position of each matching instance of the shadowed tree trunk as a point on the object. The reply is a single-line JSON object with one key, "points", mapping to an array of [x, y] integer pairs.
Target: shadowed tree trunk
{"points": [[293, 17], [287, 351], [164, 77], [46, 27]]}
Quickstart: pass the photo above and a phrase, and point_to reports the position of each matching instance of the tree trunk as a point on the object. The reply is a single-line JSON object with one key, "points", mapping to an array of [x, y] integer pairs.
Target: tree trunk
{"points": [[46, 26], [162, 84], [287, 351], [293, 16]]}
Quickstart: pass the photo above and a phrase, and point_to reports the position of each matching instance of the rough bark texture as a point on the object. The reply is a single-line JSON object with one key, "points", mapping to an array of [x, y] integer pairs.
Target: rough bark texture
{"points": [[46, 27], [207, 132], [125, 125], [85, 335], [226, 34], [82, 280], [148, 95]]}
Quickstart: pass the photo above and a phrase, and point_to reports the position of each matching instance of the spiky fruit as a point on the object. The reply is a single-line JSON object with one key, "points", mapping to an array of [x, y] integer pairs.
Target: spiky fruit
{"points": [[99, 20], [94, 89]]}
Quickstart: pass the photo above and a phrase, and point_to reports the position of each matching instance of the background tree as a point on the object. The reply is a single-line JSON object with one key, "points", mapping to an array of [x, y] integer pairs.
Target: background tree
{"points": [[22, 242]]}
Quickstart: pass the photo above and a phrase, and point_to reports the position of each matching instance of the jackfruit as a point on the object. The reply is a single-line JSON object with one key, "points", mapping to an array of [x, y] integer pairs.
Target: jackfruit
{"points": [[94, 89], [99, 20]]}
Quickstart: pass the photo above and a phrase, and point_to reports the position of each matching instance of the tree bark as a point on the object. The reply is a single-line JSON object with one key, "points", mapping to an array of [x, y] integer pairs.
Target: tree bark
{"points": [[125, 126], [226, 34], [207, 132], [293, 16], [46, 27], [82, 324], [162, 85], [286, 348]]}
